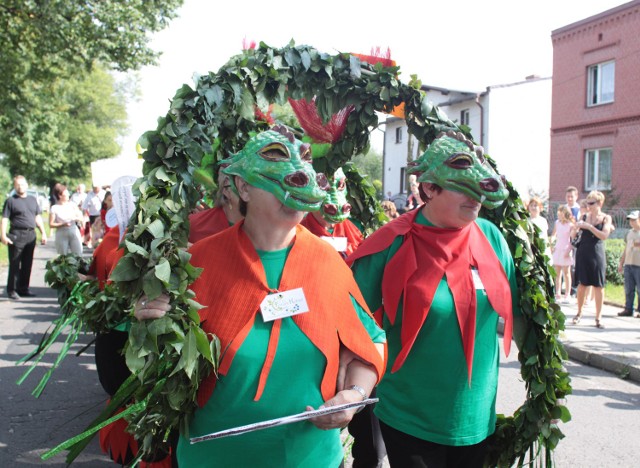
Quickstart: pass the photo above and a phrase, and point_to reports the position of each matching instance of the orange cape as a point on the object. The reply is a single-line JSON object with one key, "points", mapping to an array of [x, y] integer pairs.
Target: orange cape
{"points": [[233, 284], [426, 255]]}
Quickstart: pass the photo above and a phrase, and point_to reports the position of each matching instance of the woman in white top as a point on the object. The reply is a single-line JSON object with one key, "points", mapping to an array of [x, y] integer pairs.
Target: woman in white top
{"points": [[63, 216]]}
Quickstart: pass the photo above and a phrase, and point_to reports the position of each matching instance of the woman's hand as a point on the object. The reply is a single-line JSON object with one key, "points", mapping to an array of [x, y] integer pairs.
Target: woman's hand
{"points": [[82, 277], [154, 309], [584, 225], [342, 418]]}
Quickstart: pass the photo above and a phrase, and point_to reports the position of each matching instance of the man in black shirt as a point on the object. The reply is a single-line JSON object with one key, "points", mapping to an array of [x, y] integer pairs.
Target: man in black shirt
{"points": [[22, 212]]}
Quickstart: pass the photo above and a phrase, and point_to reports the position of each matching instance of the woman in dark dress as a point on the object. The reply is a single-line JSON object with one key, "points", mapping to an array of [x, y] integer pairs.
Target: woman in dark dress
{"points": [[594, 228]]}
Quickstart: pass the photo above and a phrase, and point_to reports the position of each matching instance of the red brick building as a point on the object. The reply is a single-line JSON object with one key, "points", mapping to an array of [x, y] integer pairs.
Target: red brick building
{"points": [[595, 111]]}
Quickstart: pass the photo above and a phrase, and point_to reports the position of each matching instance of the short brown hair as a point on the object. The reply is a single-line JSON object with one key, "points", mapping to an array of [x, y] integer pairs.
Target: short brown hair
{"points": [[435, 187]]}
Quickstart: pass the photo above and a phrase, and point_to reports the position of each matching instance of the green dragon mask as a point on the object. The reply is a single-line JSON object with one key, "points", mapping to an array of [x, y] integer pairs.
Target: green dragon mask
{"points": [[335, 207], [454, 163], [276, 162]]}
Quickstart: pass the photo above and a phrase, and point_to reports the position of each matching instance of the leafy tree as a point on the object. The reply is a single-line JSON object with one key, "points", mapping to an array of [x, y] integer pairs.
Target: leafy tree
{"points": [[48, 39], [369, 164], [61, 127], [45, 43]]}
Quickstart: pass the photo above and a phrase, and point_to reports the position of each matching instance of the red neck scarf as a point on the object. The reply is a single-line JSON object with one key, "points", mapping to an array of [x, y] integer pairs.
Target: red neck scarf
{"points": [[426, 255], [344, 229]]}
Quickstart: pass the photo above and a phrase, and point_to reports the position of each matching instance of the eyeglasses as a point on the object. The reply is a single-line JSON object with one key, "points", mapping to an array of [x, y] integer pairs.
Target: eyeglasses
{"points": [[591, 203]]}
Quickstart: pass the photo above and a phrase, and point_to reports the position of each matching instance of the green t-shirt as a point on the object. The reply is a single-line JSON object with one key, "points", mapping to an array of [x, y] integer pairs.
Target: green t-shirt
{"points": [[430, 397], [293, 383]]}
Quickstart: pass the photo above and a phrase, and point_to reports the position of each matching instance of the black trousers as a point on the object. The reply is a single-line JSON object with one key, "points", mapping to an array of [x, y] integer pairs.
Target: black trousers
{"points": [[20, 259], [406, 451], [368, 447], [111, 364]]}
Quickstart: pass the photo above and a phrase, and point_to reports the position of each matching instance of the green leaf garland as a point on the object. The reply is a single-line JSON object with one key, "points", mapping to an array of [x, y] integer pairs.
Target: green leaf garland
{"points": [[170, 356]]}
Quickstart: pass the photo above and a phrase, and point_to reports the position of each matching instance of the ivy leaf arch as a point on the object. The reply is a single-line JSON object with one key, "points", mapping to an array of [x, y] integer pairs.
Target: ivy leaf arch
{"points": [[170, 355]]}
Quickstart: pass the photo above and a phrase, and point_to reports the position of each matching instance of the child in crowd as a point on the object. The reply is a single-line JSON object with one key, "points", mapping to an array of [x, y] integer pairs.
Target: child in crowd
{"points": [[563, 253], [630, 265]]}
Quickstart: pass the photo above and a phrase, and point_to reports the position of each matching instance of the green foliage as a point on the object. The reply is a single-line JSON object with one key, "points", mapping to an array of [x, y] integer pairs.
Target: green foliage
{"points": [[171, 355], [83, 307], [61, 127], [45, 40], [614, 249], [530, 430], [47, 51], [370, 164], [62, 275]]}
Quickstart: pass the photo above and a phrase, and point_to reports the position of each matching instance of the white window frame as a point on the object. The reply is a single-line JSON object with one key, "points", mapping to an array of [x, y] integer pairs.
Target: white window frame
{"points": [[601, 79], [398, 134], [597, 162], [464, 117]]}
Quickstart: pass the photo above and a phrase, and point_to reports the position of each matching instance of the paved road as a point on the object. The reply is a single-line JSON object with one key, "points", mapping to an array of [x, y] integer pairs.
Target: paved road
{"points": [[29, 426]]}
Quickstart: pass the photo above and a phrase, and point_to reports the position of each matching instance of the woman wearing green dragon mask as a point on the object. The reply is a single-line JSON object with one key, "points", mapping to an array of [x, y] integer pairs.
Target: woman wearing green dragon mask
{"points": [[254, 276], [331, 223], [439, 278]]}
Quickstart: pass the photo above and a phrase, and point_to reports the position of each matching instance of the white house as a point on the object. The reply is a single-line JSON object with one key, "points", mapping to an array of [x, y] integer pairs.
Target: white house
{"points": [[511, 121]]}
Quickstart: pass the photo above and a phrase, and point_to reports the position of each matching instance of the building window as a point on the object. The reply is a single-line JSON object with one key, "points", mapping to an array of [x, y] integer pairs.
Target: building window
{"points": [[403, 179], [601, 83], [597, 174], [464, 117], [399, 135]]}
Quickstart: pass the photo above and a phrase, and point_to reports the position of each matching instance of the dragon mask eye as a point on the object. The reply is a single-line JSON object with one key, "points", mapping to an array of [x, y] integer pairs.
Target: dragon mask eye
{"points": [[323, 182], [459, 161], [275, 152], [305, 153]]}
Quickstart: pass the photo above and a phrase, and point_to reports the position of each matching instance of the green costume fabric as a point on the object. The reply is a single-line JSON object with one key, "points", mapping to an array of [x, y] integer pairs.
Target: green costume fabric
{"points": [[294, 382], [430, 397]]}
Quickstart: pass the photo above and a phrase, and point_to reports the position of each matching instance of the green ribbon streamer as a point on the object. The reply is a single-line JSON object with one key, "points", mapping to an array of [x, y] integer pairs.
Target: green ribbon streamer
{"points": [[89, 432]]}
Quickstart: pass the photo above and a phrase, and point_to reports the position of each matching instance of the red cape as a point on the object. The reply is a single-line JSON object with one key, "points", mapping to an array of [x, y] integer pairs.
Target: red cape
{"points": [[426, 255]]}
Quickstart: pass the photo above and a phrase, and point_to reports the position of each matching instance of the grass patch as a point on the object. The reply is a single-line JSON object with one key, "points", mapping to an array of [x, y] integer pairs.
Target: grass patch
{"points": [[614, 293]]}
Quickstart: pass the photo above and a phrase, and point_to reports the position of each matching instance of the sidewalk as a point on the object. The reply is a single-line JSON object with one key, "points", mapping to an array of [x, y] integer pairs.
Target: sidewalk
{"points": [[615, 349]]}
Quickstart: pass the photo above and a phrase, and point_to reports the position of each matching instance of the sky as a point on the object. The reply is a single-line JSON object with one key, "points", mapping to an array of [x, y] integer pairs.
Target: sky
{"points": [[457, 44]]}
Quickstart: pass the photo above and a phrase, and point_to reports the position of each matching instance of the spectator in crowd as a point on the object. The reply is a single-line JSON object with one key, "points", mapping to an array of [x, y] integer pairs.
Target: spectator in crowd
{"points": [[91, 206], [413, 200], [536, 208], [20, 216], [79, 195], [594, 228], [630, 265], [571, 197], [390, 209], [563, 253], [64, 217]]}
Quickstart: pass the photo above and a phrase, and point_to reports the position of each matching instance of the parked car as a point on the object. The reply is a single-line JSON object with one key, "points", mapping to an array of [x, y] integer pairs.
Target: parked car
{"points": [[400, 200], [40, 196]]}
